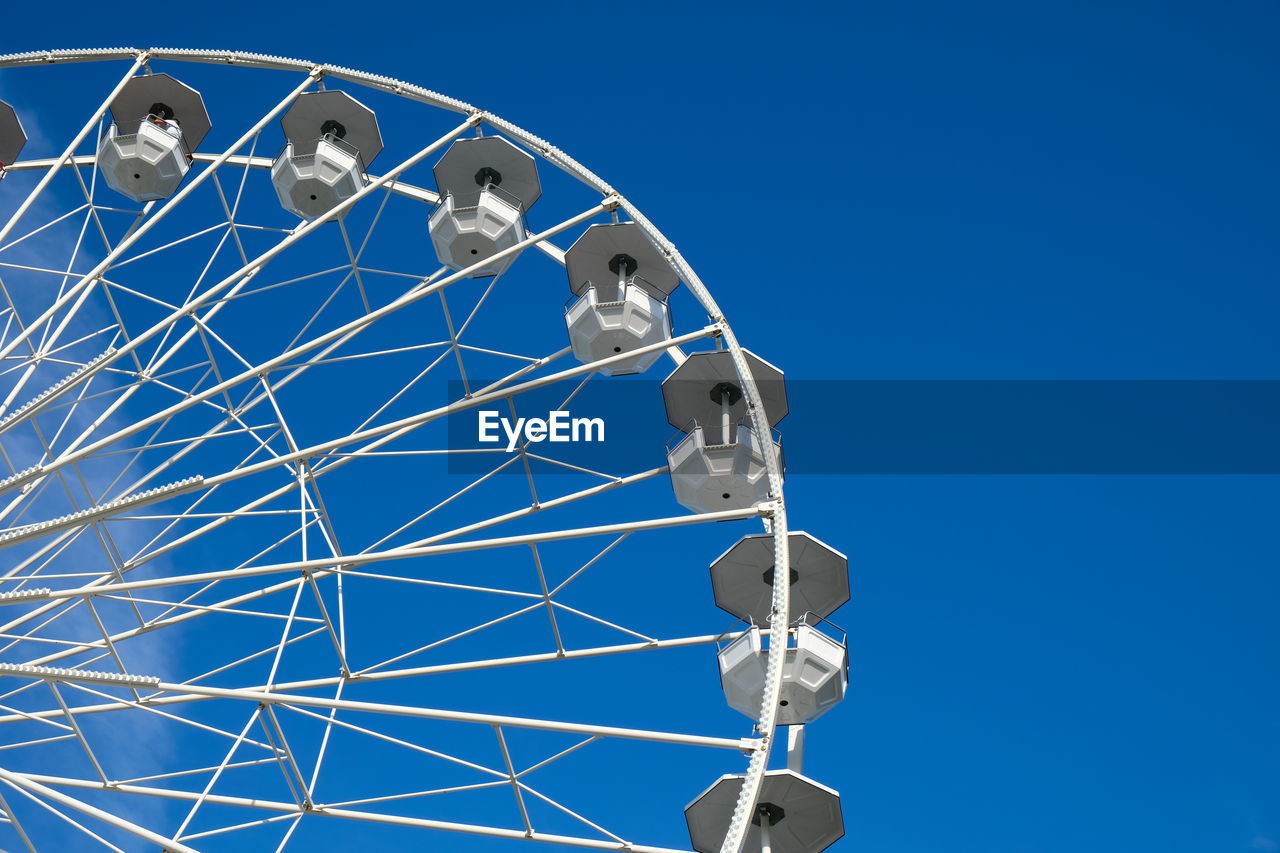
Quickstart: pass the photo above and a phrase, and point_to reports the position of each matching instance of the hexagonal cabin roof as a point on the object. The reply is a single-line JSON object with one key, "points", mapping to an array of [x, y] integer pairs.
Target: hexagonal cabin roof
{"points": [[141, 93], [457, 170], [591, 260], [303, 123], [811, 818], [687, 392], [738, 577], [12, 136]]}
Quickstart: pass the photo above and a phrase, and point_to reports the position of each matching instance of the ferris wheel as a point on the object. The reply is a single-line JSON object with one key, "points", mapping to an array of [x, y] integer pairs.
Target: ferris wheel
{"points": [[316, 528]]}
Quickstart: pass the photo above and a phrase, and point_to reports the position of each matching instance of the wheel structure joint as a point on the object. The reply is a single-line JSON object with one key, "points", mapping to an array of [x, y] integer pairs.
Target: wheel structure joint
{"points": [[769, 508]]}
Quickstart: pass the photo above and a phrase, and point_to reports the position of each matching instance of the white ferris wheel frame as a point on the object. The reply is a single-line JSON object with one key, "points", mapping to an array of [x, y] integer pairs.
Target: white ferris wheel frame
{"points": [[772, 513]]}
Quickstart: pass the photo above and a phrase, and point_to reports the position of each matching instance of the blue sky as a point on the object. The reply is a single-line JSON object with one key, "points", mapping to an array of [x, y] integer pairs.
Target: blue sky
{"points": [[935, 191]]}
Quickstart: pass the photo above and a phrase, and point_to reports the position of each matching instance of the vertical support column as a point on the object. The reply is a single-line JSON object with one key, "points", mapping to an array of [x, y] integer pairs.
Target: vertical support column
{"points": [[795, 748]]}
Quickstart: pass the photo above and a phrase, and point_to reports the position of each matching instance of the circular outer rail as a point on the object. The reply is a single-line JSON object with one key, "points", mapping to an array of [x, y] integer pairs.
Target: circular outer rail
{"points": [[774, 513]]}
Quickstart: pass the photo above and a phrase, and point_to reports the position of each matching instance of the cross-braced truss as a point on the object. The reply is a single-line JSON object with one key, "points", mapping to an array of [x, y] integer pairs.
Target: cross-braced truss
{"points": [[250, 583]]}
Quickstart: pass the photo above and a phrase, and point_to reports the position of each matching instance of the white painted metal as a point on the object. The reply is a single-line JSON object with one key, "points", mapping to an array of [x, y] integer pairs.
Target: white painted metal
{"points": [[144, 162], [795, 748], [600, 330], [267, 697], [382, 675], [139, 59], [233, 283], [75, 292], [710, 475], [310, 185], [333, 564], [321, 810], [62, 462], [15, 535], [814, 676], [25, 782], [465, 235]]}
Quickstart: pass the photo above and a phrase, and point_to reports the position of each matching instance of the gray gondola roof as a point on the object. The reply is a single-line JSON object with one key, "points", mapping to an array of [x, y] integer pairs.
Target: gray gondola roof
{"points": [[138, 95], [12, 136], [302, 123], [588, 260], [456, 172], [808, 816], [741, 578], [687, 392]]}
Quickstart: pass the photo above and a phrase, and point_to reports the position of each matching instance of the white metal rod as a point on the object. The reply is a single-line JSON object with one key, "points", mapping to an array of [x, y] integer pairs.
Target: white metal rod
{"points": [[75, 726], [515, 784], [98, 512], [288, 487], [372, 817], [439, 537], [795, 748], [22, 781], [405, 424], [14, 822], [75, 143], [239, 279], [407, 673], [195, 399], [272, 697], [408, 553], [63, 816], [400, 426], [146, 226]]}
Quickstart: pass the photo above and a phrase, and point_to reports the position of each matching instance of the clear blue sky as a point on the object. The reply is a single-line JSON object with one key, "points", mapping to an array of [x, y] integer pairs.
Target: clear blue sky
{"points": [[1041, 664]]}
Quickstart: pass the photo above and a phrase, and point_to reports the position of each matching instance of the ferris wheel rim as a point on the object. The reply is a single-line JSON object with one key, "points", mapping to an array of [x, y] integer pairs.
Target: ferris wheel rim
{"points": [[773, 511]]}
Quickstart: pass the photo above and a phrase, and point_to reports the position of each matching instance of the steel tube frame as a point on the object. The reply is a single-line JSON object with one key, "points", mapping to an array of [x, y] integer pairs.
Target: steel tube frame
{"points": [[373, 817], [776, 517], [272, 697], [338, 563], [356, 678], [238, 279], [19, 780], [141, 59], [71, 457], [471, 528], [150, 222]]}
